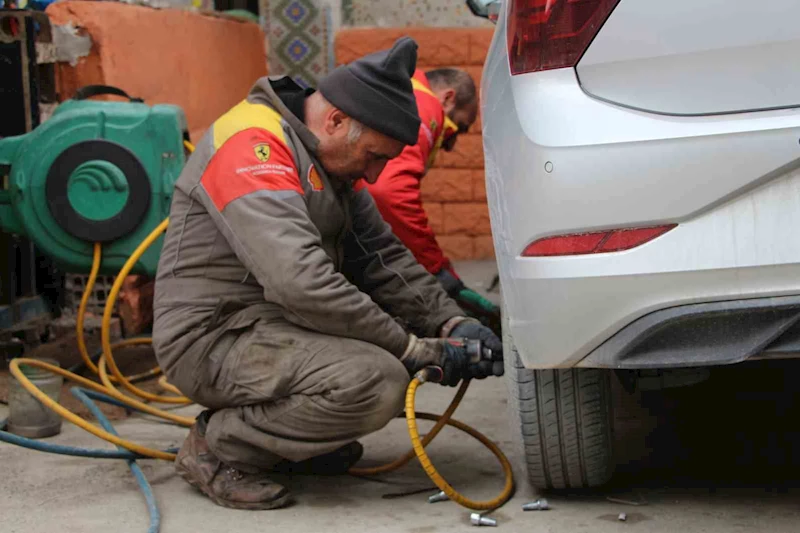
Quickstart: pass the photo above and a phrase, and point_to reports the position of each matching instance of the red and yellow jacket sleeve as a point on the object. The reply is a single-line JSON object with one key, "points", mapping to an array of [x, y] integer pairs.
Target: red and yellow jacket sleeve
{"points": [[397, 191]]}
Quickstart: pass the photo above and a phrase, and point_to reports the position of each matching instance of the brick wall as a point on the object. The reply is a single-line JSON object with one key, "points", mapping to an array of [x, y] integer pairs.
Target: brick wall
{"points": [[453, 192]]}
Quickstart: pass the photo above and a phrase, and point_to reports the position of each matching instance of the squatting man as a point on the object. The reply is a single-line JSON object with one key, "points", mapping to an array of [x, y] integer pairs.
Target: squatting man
{"points": [[284, 304]]}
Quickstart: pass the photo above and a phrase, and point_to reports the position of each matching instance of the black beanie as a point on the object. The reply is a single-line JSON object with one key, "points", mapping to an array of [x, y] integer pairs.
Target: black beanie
{"points": [[376, 91]]}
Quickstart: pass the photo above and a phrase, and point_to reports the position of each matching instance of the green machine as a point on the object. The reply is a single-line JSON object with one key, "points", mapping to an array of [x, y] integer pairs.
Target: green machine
{"points": [[95, 171]]}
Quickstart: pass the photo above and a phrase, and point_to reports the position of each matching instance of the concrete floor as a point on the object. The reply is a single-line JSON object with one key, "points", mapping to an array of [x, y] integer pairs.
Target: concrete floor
{"points": [[720, 456]]}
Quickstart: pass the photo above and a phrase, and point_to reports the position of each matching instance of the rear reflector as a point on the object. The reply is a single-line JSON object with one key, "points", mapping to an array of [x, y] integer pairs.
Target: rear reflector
{"points": [[548, 34], [594, 243]]}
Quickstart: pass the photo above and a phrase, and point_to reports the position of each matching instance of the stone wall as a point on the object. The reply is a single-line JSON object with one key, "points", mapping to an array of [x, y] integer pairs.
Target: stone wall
{"points": [[300, 32], [453, 192], [395, 13]]}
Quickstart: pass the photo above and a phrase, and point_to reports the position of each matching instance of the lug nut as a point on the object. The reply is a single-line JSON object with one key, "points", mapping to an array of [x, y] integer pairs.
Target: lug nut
{"points": [[539, 505], [622, 517], [438, 497], [478, 520]]}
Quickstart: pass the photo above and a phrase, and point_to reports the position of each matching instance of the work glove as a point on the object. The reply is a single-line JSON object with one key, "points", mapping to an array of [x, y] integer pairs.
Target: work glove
{"points": [[473, 304], [470, 328], [451, 357]]}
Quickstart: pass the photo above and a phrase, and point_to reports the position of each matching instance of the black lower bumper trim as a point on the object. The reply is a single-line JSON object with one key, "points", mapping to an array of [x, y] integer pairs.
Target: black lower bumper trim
{"points": [[707, 334]]}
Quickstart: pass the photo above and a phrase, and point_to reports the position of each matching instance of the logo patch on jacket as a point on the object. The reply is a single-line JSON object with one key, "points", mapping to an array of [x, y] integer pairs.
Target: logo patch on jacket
{"points": [[433, 124], [314, 179], [262, 152]]}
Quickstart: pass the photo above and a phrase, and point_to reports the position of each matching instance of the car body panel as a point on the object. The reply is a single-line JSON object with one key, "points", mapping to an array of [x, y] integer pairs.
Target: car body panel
{"points": [[731, 182], [724, 56]]}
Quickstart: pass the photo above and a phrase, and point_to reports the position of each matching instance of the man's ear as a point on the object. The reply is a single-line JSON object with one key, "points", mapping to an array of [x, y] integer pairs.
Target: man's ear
{"points": [[335, 121], [448, 98]]}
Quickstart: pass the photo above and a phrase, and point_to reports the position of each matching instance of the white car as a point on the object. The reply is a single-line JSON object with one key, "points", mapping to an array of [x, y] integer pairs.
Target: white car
{"points": [[643, 177]]}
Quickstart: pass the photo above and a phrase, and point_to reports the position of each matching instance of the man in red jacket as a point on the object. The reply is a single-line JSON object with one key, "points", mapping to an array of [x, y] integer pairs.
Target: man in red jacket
{"points": [[447, 103]]}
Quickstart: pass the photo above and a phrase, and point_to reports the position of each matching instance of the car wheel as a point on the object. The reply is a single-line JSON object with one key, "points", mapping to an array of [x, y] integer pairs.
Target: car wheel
{"points": [[562, 424]]}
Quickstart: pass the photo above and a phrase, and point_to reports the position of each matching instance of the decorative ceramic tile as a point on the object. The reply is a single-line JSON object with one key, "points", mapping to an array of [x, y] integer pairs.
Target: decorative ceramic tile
{"points": [[298, 35]]}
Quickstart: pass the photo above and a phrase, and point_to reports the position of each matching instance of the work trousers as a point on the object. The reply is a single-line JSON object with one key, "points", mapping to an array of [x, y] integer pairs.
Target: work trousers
{"points": [[278, 391]]}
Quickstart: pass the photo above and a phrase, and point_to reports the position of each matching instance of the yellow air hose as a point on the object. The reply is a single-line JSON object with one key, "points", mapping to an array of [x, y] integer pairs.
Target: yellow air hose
{"points": [[81, 318], [107, 361], [439, 481], [65, 413], [105, 333]]}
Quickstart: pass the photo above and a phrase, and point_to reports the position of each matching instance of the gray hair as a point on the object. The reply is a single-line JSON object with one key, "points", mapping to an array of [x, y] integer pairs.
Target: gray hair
{"points": [[355, 131], [320, 105]]}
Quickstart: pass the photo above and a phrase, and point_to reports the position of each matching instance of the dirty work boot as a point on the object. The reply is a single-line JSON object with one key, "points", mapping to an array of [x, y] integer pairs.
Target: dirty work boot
{"points": [[335, 463], [225, 485]]}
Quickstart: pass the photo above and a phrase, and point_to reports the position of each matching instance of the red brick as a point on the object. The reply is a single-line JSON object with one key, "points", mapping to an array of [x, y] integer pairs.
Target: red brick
{"points": [[164, 56], [435, 214], [437, 46], [457, 247], [476, 73], [442, 46], [478, 185], [473, 70], [136, 304], [467, 219], [479, 42], [484, 247], [351, 44], [468, 153], [477, 126], [447, 185]]}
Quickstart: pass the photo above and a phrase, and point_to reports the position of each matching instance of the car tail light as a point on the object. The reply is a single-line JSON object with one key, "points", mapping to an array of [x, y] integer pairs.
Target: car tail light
{"points": [[548, 34], [594, 243]]}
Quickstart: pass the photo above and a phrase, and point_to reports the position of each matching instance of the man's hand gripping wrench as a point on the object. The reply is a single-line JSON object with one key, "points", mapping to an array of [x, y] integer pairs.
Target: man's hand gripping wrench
{"points": [[475, 350]]}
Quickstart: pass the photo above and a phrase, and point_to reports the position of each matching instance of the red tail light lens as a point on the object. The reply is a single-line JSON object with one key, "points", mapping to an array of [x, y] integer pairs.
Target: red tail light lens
{"points": [[594, 243], [548, 34]]}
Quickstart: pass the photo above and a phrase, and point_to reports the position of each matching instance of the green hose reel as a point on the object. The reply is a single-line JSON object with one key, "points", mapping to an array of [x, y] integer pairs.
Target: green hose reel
{"points": [[96, 171]]}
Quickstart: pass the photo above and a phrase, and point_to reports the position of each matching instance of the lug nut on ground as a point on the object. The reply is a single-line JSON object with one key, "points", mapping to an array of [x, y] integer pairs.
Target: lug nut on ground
{"points": [[478, 520], [438, 497], [539, 505]]}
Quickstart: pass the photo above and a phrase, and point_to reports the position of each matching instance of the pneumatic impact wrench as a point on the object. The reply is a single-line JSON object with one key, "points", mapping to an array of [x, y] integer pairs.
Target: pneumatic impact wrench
{"points": [[475, 350]]}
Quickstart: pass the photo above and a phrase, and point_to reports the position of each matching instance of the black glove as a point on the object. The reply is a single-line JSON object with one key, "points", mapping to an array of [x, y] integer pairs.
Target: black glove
{"points": [[473, 304], [469, 328], [451, 358], [451, 284]]}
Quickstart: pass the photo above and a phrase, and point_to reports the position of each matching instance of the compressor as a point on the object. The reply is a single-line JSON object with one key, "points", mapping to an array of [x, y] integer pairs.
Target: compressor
{"points": [[96, 171]]}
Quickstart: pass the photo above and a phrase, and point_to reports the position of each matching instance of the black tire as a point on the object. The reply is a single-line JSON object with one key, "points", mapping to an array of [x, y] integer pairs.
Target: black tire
{"points": [[561, 422]]}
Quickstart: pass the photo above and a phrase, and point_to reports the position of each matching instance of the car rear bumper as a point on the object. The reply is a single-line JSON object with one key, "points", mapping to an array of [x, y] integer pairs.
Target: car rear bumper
{"points": [[559, 161], [604, 321]]}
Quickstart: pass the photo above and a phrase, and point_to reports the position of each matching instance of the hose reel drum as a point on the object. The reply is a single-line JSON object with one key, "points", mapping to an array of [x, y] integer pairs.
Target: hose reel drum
{"points": [[96, 171]]}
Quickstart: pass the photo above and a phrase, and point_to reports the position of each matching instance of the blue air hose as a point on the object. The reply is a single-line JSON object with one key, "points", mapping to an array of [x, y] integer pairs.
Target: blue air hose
{"points": [[86, 397], [144, 485], [93, 453]]}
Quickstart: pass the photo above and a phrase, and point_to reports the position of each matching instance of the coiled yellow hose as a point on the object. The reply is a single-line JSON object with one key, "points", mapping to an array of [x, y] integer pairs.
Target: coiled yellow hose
{"points": [[441, 422], [108, 388], [105, 334], [438, 480], [79, 322]]}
